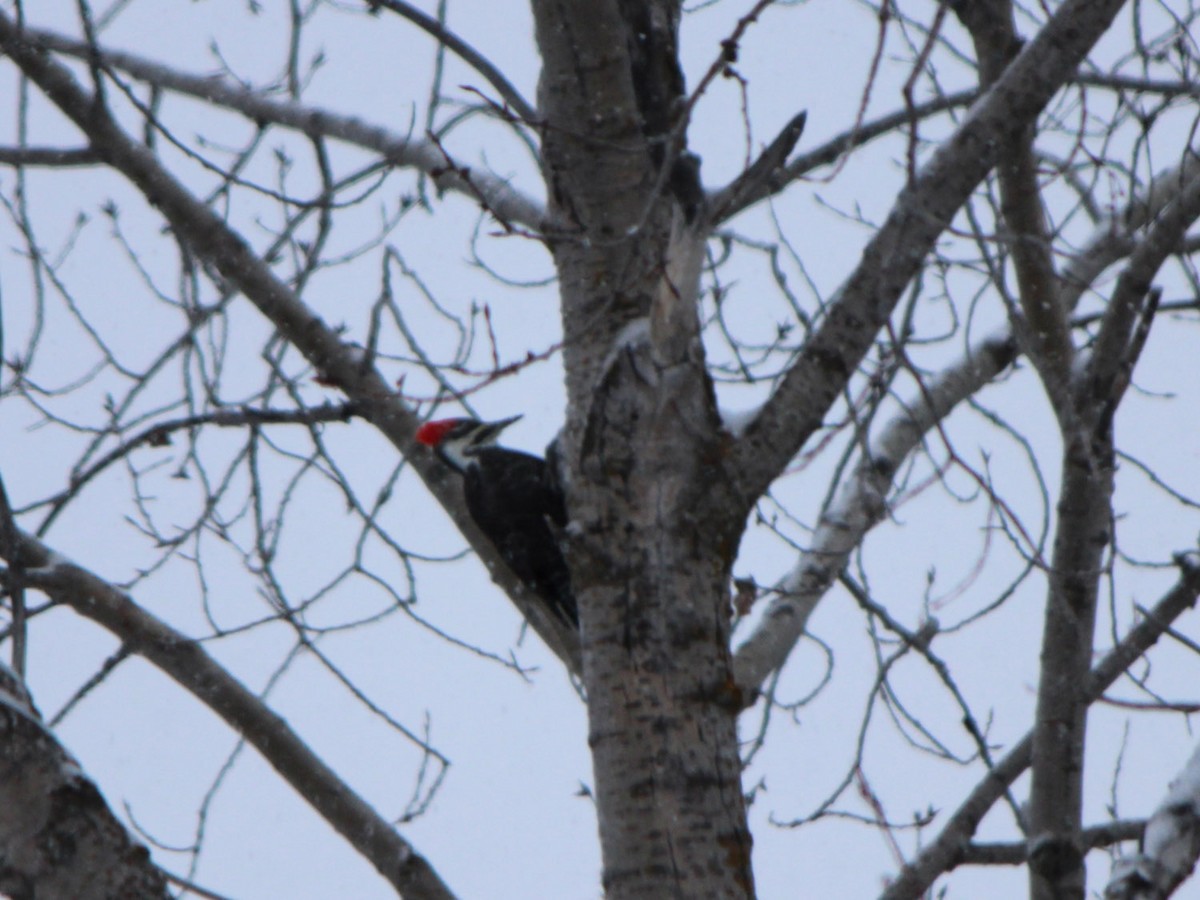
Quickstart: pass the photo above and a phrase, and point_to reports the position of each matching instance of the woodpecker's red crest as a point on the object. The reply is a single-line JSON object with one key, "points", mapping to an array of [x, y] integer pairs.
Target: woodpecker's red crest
{"points": [[433, 433]]}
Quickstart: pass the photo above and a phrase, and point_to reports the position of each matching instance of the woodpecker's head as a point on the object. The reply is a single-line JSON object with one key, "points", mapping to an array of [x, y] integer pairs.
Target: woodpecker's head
{"points": [[457, 440]]}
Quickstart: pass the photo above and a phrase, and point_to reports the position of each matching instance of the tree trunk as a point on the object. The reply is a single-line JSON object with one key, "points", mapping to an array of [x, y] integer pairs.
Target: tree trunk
{"points": [[1056, 795], [58, 838], [655, 544], [655, 521]]}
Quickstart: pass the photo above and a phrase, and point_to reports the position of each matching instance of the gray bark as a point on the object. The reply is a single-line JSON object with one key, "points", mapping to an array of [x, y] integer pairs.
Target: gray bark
{"points": [[58, 838], [657, 497], [655, 522]]}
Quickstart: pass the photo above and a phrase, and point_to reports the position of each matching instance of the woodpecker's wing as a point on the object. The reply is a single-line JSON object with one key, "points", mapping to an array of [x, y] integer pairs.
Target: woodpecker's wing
{"points": [[516, 504]]}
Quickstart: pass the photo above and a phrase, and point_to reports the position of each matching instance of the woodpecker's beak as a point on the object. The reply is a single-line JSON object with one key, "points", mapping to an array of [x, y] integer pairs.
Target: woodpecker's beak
{"points": [[491, 430]]}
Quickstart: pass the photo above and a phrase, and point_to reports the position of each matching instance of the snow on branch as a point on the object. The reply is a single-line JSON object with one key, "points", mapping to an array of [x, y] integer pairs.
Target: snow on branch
{"points": [[946, 850], [1170, 844], [857, 508]]}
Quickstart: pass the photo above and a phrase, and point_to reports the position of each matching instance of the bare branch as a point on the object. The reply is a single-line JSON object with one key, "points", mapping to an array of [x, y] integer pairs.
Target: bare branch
{"points": [[761, 176], [187, 663], [52, 157], [337, 362], [830, 152], [160, 433], [508, 204], [466, 53], [897, 251], [1015, 854], [946, 850], [1182, 88]]}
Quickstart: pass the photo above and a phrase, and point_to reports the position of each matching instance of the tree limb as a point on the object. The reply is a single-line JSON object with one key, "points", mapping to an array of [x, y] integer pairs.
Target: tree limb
{"points": [[762, 174], [835, 147], [1044, 329], [1109, 358], [897, 251], [507, 203], [51, 157], [1083, 531], [1016, 853], [192, 668], [858, 507], [945, 853], [339, 363], [747, 195]]}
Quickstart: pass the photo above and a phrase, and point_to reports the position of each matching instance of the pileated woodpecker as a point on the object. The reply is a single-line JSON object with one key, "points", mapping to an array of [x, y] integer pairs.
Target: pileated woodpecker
{"points": [[515, 500]]}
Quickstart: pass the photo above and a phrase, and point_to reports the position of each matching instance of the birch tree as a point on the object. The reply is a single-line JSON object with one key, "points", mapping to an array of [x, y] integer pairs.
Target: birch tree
{"points": [[1012, 193]]}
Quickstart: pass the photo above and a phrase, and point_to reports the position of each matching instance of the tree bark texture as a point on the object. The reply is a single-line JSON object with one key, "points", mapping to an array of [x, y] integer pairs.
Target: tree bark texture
{"points": [[658, 493], [654, 518], [58, 838], [1056, 798]]}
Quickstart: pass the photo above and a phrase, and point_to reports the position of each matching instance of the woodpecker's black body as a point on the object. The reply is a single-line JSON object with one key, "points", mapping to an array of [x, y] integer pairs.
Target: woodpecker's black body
{"points": [[510, 496], [515, 500]]}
